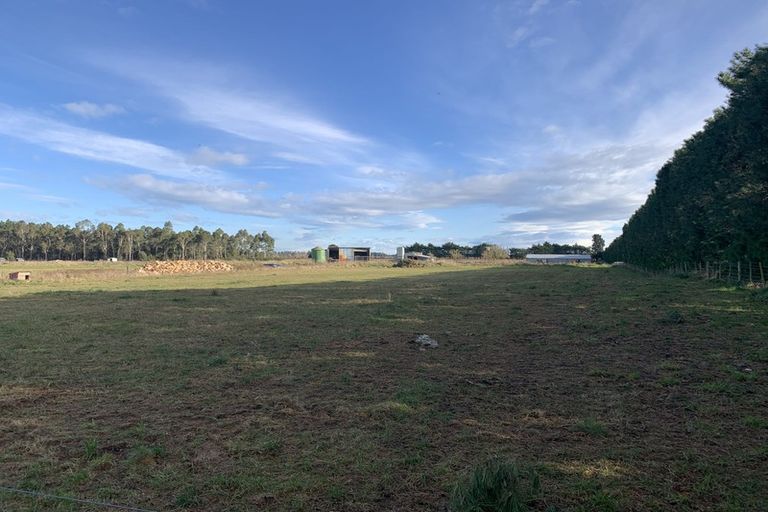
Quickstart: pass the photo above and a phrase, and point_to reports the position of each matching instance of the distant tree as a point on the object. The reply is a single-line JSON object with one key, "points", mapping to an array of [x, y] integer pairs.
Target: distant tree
{"points": [[517, 253], [182, 240], [104, 234], [494, 252], [550, 248], [87, 241], [598, 244], [84, 232]]}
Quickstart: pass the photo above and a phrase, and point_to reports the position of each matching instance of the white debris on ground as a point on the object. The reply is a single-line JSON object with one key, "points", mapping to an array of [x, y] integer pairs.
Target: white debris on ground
{"points": [[425, 341]]}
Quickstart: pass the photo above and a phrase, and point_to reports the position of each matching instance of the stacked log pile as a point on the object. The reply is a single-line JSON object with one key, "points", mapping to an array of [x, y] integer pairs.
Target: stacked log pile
{"points": [[185, 267]]}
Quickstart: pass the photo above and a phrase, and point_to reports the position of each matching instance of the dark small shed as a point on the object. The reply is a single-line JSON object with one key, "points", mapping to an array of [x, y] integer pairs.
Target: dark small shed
{"points": [[20, 276], [336, 253]]}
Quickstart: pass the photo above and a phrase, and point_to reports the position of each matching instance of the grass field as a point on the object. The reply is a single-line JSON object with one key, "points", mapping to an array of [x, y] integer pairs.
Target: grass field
{"points": [[298, 388]]}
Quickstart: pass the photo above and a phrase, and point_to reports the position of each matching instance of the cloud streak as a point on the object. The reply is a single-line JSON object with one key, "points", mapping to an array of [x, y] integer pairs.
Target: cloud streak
{"points": [[210, 157], [92, 110], [266, 118], [221, 198], [94, 145]]}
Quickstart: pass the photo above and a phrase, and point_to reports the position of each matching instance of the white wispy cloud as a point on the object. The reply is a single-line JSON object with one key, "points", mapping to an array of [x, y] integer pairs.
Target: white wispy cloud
{"points": [[239, 199], [265, 117], [211, 158], [12, 186], [540, 42], [602, 185], [95, 145], [35, 194], [93, 110], [296, 158], [536, 6], [49, 198], [371, 170]]}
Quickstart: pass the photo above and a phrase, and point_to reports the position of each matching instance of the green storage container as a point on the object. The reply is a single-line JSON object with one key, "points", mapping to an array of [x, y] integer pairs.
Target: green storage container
{"points": [[318, 255]]}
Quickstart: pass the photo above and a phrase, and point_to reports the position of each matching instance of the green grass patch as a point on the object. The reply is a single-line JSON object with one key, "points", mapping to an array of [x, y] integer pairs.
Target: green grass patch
{"points": [[300, 388], [591, 427], [497, 486]]}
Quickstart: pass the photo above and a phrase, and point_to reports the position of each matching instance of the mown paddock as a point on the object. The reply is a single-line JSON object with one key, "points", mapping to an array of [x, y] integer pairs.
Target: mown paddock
{"points": [[299, 389]]}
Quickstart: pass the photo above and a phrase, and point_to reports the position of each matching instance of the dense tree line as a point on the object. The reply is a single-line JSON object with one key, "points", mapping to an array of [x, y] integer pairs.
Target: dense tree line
{"points": [[710, 201], [550, 248], [88, 241], [484, 250], [452, 250]]}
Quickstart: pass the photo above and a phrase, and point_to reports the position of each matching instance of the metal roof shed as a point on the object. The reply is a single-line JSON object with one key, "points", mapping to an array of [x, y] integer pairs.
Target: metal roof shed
{"points": [[336, 253], [549, 259]]}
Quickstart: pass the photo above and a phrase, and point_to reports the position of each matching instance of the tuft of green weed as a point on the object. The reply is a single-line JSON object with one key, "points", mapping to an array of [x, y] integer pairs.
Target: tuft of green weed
{"points": [[497, 486], [416, 392], [188, 497], [756, 422], [592, 427], [760, 295], [91, 448], [718, 386], [601, 501], [270, 446], [669, 380], [336, 493], [217, 361], [145, 455], [673, 316]]}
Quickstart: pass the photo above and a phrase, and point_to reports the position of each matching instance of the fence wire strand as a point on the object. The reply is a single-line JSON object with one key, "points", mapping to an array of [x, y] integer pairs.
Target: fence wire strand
{"points": [[102, 504], [747, 273]]}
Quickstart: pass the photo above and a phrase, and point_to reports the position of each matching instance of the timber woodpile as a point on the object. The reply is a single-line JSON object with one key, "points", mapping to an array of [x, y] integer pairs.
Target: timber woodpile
{"points": [[185, 267]]}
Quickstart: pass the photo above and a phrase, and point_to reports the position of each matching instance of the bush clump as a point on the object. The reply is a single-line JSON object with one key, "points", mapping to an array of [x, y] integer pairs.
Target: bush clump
{"points": [[497, 486], [414, 263]]}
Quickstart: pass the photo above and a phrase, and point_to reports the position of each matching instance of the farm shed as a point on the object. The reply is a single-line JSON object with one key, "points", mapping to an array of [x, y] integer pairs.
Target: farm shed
{"points": [[336, 253], [417, 256], [554, 259], [19, 276]]}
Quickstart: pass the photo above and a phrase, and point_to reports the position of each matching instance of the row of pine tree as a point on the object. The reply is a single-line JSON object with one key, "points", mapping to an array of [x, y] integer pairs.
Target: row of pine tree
{"points": [[710, 201]]}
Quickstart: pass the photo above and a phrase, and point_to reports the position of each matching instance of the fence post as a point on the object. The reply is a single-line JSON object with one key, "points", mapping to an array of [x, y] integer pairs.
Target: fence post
{"points": [[707, 270], [738, 265], [750, 272], [762, 276]]}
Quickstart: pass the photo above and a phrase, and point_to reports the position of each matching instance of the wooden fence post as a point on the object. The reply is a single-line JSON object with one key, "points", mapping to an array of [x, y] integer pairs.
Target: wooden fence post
{"points": [[750, 272], [738, 265], [762, 276]]}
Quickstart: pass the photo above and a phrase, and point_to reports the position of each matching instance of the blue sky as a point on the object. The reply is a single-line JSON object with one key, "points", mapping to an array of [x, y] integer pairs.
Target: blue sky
{"points": [[376, 122]]}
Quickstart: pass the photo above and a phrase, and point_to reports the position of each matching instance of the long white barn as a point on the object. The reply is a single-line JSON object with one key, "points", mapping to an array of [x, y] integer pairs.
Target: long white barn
{"points": [[558, 258]]}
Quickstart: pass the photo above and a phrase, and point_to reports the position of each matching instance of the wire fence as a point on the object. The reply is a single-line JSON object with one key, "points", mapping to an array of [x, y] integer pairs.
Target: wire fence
{"points": [[740, 272], [70, 499]]}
